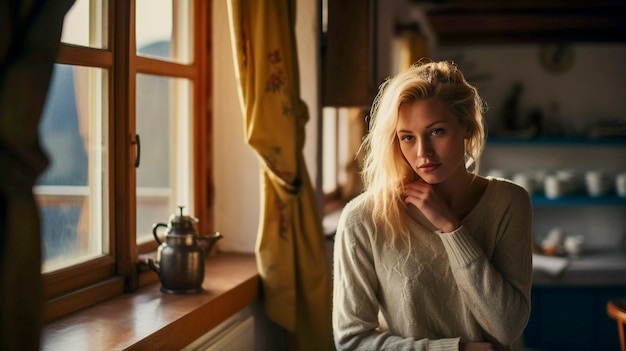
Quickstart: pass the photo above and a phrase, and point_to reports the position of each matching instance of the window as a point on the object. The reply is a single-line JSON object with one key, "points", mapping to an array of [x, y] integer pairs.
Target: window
{"points": [[164, 110], [332, 155], [72, 192], [126, 130], [343, 130]]}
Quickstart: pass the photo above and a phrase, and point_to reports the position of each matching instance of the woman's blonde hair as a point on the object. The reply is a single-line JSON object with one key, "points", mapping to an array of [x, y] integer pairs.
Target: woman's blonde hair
{"points": [[385, 170]]}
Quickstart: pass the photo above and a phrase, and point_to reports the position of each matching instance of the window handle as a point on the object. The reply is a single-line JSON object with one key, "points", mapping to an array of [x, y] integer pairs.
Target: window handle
{"points": [[138, 152]]}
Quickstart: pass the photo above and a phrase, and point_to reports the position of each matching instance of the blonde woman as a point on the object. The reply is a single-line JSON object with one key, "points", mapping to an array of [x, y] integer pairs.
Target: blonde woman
{"points": [[443, 254]]}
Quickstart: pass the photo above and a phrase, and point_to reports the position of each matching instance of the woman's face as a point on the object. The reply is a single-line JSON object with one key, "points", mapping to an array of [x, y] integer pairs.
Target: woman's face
{"points": [[432, 140]]}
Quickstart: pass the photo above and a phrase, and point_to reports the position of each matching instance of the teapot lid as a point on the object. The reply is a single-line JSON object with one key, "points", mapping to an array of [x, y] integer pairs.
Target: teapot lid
{"points": [[183, 223]]}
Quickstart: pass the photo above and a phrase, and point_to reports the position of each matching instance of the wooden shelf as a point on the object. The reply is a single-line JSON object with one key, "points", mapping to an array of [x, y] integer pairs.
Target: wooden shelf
{"points": [[493, 21], [578, 200]]}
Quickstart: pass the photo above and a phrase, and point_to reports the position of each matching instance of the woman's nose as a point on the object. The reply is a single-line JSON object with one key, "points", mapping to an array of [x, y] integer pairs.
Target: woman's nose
{"points": [[424, 149]]}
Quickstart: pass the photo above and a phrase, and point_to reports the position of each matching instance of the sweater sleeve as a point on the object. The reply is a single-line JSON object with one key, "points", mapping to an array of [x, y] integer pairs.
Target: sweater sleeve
{"points": [[355, 299], [497, 289]]}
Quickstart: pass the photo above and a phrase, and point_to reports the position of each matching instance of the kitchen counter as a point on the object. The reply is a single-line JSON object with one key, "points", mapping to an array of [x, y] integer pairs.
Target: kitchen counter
{"points": [[569, 299], [591, 268]]}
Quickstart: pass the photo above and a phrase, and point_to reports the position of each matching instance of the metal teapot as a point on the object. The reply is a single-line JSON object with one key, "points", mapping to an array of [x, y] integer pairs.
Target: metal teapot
{"points": [[180, 258]]}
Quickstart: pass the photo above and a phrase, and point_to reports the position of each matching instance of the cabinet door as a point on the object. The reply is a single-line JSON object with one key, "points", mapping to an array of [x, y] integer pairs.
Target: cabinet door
{"points": [[566, 320], [349, 57], [572, 318]]}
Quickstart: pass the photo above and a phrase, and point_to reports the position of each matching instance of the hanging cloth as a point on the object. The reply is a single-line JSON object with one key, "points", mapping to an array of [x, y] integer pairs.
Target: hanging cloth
{"points": [[290, 247], [30, 33]]}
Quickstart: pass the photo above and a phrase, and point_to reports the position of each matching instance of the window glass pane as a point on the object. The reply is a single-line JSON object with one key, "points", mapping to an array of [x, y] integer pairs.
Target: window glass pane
{"points": [[164, 176], [72, 192], [163, 29], [85, 24], [329, 150], [343, 141]]}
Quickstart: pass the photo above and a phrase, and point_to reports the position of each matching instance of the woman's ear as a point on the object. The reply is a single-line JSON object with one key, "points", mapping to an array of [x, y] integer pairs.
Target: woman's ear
{"points": [[468, 131]]}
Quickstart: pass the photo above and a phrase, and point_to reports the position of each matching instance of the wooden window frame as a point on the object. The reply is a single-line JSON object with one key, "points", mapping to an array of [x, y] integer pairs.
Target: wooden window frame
{"points": [[343, 119], [76, 287]]}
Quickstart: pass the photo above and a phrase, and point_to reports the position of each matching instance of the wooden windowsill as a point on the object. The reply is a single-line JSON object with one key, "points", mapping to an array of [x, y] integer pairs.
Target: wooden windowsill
{"points": [[151, 320]]}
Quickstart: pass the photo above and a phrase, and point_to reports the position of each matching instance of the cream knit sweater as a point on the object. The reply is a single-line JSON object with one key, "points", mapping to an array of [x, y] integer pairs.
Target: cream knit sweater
{"points": [[469, 285]]}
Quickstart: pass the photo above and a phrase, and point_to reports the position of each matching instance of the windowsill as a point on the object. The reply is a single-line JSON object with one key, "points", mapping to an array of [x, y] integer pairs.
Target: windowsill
{"points": [[149, 319]]}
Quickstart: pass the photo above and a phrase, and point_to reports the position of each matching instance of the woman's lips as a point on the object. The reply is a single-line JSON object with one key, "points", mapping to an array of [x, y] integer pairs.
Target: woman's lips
{"points": [[428, 167]]}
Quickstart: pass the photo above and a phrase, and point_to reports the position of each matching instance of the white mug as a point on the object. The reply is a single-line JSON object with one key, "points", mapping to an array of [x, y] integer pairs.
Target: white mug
{"points": [[597, 182], [574, 244], [554, 187]]}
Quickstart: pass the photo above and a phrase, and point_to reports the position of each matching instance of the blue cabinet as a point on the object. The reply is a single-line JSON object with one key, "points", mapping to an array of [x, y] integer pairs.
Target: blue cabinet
{"points": [[573, 319]]}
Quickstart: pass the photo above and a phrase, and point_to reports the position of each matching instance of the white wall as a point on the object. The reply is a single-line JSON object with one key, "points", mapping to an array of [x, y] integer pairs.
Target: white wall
{"points": [[236, 167], [592, 90]]}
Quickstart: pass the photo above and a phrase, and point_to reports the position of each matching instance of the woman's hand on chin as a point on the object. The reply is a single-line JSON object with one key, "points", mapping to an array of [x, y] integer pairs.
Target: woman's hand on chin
{"points": [[423, 196]]}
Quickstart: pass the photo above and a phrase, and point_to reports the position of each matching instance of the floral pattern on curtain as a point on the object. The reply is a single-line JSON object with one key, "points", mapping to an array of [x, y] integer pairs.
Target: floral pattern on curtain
{"points": [[290, 246]]}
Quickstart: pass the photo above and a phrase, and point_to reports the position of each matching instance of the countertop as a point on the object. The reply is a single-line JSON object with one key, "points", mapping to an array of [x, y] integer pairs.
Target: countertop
{"points": [[590, 268]]}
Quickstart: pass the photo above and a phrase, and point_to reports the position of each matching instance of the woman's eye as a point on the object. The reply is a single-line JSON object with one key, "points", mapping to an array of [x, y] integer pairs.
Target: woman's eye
{"points": [[407, 138], [437, 131]]}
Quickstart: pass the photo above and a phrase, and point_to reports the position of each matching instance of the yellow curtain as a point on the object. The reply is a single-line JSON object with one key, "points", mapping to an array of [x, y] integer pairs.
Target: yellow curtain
{"points": [[290, 244]]}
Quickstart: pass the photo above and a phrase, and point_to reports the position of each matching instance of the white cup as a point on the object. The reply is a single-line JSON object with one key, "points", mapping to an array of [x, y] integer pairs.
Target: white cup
{"points": [[597, 182], [553, 186], [620, 184], [573, 245]]}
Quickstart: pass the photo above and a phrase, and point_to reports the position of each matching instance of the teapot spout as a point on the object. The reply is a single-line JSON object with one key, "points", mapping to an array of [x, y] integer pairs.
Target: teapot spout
{"points": [[207, 242]]}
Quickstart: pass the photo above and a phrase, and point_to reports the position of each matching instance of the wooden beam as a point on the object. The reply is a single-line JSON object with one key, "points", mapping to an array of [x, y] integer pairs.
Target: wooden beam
{"points": [[572, 24]]}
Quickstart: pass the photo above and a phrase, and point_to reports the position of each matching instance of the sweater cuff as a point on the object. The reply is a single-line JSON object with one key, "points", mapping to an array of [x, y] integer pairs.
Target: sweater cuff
{"points": [[461, 247], [449, 344]]}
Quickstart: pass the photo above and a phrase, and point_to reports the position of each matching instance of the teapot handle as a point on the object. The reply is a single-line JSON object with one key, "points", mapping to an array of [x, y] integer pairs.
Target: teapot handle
{"points": [[154, 231]]}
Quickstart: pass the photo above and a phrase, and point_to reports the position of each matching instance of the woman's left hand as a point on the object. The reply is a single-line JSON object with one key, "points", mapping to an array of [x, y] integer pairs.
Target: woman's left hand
{"points": [[423, 196]]}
